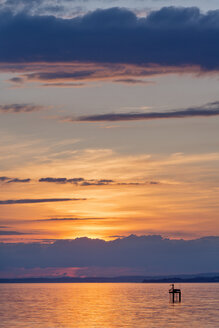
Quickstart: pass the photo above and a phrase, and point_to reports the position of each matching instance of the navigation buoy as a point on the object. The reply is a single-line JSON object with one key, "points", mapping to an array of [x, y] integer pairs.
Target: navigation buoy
{"points": [[175, 294]]}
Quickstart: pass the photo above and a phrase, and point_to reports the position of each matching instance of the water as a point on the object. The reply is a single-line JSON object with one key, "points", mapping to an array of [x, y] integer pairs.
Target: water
{"points": [[107, 306]]}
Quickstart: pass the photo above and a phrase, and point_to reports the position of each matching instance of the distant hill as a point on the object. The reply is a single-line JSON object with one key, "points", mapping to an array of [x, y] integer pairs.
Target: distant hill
{"points": [[183, 280], [201, 278]]}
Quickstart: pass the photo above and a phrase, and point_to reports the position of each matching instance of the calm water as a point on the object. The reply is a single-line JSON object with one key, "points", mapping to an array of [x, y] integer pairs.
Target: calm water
{"points": [[107, 305]]}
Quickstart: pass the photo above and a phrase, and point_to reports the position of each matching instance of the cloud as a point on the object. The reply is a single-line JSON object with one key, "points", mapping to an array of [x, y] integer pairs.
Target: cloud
{"points": [[68, 74], [40, 7], [78, 181], [16, 80], [77, 75], [151, 254], [3, 179], [20, 108], [208, 110], [12, 233], [64, 85], [62, 180], [167, 37], [116, 236], [18, 180], [14, 180], [45, 76], [94, 182], [19, 81], [132, 81], [70, 219], [34, 201], [98, 182]]}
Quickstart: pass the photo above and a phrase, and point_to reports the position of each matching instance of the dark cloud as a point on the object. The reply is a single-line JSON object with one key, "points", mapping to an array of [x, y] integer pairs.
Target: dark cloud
{"points": [[78, 181], [98, 182], [18, 80], [18, 180], [57, 79], [153, 254], [3, 179], [60, 75], [14, 180], [211, 109], [64, 85], [71, 219], [168, 37], [93, 182], [20, 108], [12, 233], [61, 180], [132, 81], [33, 201]]}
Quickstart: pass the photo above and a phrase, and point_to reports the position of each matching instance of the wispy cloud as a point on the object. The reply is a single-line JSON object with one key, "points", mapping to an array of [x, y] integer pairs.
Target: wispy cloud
{"points": [[64, 85], [12, 233], [61, 180], [51, 76], [70, 219], [133, 81], [208, 110], [94, 182], [78, 181], [14, 180], [34, 201], [21, 108], [80, 74], [44, 7]]}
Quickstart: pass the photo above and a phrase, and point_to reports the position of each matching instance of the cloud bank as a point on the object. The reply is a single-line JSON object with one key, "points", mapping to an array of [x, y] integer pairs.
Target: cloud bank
{"points": [[152, 254], [168, 37]]}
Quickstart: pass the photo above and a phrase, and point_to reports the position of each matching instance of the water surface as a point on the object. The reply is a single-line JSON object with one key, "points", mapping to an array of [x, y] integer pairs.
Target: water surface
{"points": [[107, 305]]}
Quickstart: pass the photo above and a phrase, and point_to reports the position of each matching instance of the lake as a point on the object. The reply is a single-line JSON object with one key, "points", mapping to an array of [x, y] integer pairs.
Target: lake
{"points": [[107, 305]]}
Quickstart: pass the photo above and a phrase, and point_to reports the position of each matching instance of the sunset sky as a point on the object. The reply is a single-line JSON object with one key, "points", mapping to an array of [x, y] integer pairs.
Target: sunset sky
{"points": [[109, 119]]}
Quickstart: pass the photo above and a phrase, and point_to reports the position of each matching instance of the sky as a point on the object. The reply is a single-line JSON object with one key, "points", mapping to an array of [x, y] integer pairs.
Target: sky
{"points": [[109, 120]]}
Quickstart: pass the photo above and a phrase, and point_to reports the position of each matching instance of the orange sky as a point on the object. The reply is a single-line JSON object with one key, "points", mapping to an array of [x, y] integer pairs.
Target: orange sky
{"points": [[175, 195]]}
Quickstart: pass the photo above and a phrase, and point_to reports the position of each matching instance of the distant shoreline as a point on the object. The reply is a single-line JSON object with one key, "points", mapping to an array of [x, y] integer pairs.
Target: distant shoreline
{"points": [[125, 279]]}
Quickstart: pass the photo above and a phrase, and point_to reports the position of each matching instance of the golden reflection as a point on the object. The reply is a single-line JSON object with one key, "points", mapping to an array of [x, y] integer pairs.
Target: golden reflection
{"points": [[107, 305]]}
